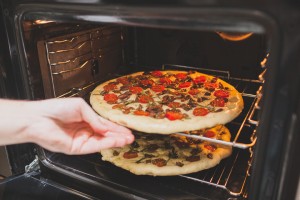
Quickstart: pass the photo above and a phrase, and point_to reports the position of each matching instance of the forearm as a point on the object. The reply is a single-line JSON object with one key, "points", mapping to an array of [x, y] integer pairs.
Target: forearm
{"points": [[15, 116]]}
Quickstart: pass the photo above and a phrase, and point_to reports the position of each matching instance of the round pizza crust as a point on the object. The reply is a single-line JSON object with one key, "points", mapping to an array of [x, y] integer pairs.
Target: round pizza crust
{"points": [[171, 168], [165, 126]]}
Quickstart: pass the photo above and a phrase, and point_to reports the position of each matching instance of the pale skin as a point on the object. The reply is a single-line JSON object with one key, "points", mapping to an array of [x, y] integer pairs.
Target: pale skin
{"points": [[68, 126]]}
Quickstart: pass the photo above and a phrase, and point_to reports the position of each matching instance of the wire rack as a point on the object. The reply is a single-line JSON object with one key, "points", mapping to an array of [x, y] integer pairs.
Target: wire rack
{"points": [[73, 61], [231, 174], [249, 89]]}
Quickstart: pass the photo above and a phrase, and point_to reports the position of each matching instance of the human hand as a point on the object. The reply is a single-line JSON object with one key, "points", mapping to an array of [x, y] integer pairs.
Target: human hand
{"points": [[69, 126]]}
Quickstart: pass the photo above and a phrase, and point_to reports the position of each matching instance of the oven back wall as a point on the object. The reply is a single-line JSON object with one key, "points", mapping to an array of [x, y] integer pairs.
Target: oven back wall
{"points": [[201, 49]]}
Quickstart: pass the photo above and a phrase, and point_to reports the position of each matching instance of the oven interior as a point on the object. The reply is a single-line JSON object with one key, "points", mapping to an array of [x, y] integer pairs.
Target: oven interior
{"points": [[71, 59]]}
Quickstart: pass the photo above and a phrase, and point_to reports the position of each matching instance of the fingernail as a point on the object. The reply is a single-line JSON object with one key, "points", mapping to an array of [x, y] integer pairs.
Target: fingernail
{"points": [[129, 137]]}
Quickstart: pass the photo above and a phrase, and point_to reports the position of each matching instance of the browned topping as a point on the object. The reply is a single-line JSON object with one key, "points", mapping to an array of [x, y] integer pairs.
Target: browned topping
{"points": [[159, 162], [154, 108], [179, 164], [115, 153], [151, 148], [193, 158], [135, 144], [181, 145], [195, 151], [145, 157], [103, 92], [214, 80], [193, 140], [118, 106], [126, 110], [125, 95], [130, 154], [167, 99], [124, 87], [173, 154], [210, 155]]}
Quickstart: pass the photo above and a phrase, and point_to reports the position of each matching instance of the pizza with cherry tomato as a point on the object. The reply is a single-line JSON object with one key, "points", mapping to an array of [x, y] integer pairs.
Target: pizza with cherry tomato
{"points": [[167, 102], [168, 155]]}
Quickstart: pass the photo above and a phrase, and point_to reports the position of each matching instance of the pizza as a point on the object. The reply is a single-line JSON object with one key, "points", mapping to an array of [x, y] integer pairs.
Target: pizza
{"points": [[168, 155], [167, 102]]}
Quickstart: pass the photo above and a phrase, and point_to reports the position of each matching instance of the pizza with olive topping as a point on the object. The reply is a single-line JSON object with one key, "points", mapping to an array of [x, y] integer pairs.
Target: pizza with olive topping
{"points": [[166, 102], [168, 155]]}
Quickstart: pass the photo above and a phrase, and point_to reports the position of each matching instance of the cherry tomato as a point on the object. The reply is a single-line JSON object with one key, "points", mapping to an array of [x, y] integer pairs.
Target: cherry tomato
{"points": [[110, 87], [174, 104], [221, 93], [173, 115], [135, 89], [141, 112], [208, 85], [218, 102], [147, 82], [123, 80], [210, 147], [158, 88], [165, 80], [130, 154], [144, 99], [181, 76], [200, 111], [185, 84], [200, 79], [194, 91], [209, 134], [156, 73], [110, 98]]}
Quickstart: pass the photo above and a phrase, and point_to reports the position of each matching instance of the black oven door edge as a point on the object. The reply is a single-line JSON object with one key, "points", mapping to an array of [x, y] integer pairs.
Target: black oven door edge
{"points": [[31, 186]]}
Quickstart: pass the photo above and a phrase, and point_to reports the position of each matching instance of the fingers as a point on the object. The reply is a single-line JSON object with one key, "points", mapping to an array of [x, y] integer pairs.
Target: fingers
{"points": [[113, 127], [89, 116], [99, 124], [96, 143]]}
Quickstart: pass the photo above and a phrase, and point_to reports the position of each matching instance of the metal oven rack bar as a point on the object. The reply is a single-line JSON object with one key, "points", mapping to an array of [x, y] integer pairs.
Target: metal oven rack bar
{"points": [[224, 175]]}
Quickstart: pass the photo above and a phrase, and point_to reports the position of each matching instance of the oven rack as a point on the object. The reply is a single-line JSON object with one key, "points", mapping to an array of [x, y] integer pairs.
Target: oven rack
{"points": [[231, 173], [249, 110], [250, 90], [234, 142], [76, 59], [78, 49], [234, 169]]}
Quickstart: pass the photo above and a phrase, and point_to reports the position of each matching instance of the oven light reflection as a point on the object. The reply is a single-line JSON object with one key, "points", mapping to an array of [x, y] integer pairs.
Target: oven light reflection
{"points": [[234, 36], [38, 21]]}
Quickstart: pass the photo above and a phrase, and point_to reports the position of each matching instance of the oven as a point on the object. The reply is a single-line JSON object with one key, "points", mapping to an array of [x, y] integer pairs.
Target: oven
{"points": [[62, 49]]}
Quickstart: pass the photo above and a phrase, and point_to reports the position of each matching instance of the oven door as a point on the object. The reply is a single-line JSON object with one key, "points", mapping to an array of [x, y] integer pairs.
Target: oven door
{"points": [[31, 186]]}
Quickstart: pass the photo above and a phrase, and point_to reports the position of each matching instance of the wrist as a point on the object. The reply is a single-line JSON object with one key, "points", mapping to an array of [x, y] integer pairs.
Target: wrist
{"points": [[16, 118]]}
